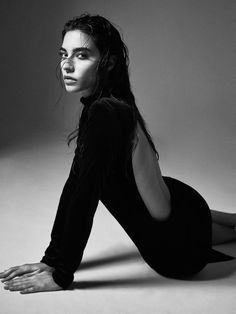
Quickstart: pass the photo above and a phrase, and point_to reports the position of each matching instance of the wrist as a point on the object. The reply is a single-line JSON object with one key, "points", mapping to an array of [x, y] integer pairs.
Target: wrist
{"points": [[62, 279], [47, 267], [49, 262]]}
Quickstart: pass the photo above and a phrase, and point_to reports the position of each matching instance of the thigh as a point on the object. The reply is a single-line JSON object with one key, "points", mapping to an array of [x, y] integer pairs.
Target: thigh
{"points": [[187, 236], [191, 218], [189, 208]]}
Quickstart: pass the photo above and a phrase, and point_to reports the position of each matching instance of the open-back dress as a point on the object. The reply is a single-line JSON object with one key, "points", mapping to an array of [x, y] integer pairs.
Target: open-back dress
{"points": [[168, 221]]}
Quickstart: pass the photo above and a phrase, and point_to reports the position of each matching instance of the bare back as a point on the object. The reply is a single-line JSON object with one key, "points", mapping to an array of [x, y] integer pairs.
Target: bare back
{"points": [[148, 178]]}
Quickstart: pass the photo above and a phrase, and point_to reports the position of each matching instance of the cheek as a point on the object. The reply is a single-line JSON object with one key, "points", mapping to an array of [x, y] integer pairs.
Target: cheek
{"points": [[88, 74]]}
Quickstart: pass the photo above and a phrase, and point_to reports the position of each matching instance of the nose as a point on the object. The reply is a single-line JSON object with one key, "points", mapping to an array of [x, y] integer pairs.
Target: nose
{"points": [[68, 65]]}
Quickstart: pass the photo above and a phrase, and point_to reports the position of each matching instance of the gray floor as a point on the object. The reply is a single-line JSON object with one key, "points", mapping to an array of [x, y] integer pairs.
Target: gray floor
{"points": [[112, 278]]}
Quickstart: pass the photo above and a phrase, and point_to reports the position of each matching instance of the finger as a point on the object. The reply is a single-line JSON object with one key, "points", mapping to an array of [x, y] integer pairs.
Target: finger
{"points": [[31, 274], [8, 271], [21, 270], [18, 286], [17, 281], [2, 274], [28, 290], [28, 276]]}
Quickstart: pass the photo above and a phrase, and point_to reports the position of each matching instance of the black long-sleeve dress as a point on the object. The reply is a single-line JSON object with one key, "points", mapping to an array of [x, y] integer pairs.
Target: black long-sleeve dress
{"points": [[176, 247]]}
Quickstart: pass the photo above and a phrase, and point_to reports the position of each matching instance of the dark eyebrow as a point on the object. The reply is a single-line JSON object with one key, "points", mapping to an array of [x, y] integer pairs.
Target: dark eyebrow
{"points": [[77, 49]]}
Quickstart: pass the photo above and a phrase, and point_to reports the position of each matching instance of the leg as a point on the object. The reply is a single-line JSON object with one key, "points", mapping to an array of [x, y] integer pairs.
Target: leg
{"points": [[222, 218], [223, 227], [222, 234]]}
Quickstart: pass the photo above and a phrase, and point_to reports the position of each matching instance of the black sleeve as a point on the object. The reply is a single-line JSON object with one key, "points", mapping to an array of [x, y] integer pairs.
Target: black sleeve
{"points": [[52, 252], [81, 193]]}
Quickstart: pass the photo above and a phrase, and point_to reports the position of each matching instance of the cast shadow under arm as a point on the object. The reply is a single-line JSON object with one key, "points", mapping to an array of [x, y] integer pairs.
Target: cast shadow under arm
{"points": [[211, 272]]}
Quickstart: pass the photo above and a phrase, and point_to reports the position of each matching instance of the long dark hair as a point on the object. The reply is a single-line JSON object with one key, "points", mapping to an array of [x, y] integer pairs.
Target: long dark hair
{"points": [[115, 82]]}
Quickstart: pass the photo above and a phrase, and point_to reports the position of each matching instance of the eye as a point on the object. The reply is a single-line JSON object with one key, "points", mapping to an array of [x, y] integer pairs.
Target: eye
{"points": [[62, 54], [81, 55]]}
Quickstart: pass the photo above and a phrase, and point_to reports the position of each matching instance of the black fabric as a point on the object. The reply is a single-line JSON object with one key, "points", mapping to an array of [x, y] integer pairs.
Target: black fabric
{"points": [[177, 247]]}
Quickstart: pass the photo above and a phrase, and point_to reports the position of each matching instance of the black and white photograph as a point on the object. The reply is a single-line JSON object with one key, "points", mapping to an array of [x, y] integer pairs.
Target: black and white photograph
{"points": [[117, 157]]}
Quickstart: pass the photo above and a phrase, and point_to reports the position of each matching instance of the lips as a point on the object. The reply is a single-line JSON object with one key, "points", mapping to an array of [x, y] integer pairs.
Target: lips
{"points": [[69, 78]]}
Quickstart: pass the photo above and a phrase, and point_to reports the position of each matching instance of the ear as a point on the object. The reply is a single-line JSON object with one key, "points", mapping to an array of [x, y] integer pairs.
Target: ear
{"points": [[111, 62]]}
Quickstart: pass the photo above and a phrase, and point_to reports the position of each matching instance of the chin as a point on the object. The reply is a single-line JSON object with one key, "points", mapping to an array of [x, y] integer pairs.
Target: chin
{"points": [[71, 89]]}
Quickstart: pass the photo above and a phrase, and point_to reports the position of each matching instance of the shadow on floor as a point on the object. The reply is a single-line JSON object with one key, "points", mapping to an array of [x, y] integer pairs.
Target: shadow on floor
{"points": [[117, 258], [214, 271], [116, 283]]}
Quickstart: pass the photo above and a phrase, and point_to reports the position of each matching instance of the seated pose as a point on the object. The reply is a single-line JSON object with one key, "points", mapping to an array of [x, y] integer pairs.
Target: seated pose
{"points": [[116, 162]]}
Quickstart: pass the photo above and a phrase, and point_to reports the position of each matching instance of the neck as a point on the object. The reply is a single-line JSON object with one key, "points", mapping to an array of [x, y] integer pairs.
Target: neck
{"points": [[89, 99]]}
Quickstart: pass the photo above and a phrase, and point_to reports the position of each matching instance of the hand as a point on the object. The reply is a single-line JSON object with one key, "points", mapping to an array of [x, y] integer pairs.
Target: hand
{"points": [[24, 270], [37, 281]]}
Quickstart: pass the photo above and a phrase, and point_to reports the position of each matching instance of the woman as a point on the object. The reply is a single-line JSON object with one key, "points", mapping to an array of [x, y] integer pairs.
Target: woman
{"points": [[116, 162]]}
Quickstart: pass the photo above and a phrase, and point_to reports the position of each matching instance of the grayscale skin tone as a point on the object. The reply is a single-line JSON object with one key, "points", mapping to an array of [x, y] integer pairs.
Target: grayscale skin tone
{"points": [[79, 59]]}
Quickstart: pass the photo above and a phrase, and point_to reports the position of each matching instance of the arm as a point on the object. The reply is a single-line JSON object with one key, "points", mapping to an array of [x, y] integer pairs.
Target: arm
{"points": [[80, 203], [52, 251]]}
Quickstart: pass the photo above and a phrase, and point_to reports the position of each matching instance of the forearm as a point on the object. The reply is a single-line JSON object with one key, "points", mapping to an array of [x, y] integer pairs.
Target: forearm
{"points": [[72, 224], [77, 228], [52, 251]]}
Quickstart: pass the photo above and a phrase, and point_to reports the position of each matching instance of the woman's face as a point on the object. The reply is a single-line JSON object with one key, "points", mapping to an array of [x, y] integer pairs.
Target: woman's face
{"points": [[79, 59]]}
